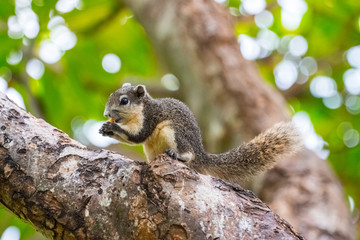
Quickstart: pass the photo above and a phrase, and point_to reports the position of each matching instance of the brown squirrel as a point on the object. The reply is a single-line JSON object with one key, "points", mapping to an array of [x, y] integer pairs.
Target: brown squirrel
{"points": [[166, 125]]}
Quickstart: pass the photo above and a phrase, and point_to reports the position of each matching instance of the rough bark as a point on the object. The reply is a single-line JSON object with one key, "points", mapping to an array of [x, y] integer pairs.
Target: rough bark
{"points": [[195, 39], [68, 191]]}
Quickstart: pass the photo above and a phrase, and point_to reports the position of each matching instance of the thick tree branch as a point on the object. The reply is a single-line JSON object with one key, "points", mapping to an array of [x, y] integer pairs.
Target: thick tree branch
{"points": [[196, 41], [71, 192]]}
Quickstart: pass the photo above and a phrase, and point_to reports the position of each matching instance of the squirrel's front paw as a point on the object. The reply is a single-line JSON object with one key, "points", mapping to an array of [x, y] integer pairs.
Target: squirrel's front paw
{"points": [[107, 129]]}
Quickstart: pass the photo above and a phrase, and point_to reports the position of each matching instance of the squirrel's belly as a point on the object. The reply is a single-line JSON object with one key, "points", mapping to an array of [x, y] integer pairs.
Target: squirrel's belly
{"points": [[162, 139]]}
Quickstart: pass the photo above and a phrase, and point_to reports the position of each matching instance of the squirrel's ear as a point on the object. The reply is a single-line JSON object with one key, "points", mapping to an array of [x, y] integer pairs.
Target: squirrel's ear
{"points": [[140, 90]]}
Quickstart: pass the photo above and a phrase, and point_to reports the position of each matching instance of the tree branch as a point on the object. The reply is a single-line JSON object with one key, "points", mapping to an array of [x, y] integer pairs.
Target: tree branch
{"points": [[195, 39], [71, 192]]}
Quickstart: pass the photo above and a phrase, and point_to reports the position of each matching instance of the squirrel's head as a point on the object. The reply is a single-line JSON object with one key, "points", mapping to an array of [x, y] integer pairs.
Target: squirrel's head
{"points": [[125, 103]]}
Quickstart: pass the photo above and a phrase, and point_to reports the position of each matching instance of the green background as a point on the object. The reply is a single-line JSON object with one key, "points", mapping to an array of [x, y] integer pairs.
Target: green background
{"points": [[75, 89]]}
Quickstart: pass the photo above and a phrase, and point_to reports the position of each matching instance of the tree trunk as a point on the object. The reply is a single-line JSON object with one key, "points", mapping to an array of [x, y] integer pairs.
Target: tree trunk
{"points": [[71, 192], [196, 41]]}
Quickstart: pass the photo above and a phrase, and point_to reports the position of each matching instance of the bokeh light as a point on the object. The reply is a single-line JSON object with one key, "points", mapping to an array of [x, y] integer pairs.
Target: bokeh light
{"points": [[348, 134], [14, 28], [11, 233], [333, 102], [351, 138], [29, 23], [353, 56], [24, 23], [91, 130], [35, 68], [260, 47], [14, 57], [170, 82], [308, 66], [284, 44], [264, 19], [111, 63], [322, 87], [352, 104], [298, 46], [268, 40], [49, 52], [249, 47], [55, 21], [65, 6], [285, 74], [3, 84], [22, 3], [311, 140], [253, 6], [289, 57], [16, 97], [63, 37], [342, 128], [352, 81], [351, 204], [292, 12]]}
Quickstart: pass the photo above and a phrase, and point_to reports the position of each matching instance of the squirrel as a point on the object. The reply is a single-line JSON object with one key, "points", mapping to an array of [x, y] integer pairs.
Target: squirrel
{"points": [[166, 125]]}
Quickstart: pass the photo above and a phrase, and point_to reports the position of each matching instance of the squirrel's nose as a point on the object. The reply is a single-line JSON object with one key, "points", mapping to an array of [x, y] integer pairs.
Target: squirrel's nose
{"points": [[107, 113]]}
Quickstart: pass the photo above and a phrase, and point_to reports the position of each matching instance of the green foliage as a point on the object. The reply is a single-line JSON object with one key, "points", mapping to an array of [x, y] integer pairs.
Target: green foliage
{"points": [[26, 230], [330, 28], [75, 88]]}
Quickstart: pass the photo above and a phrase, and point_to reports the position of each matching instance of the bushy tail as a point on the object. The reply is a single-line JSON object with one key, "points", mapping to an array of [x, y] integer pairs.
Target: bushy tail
{"points": [[258, 155]]}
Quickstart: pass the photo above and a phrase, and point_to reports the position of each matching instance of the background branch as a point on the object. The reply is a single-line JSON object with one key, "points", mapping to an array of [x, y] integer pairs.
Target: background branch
{"points": [[195, 39]]}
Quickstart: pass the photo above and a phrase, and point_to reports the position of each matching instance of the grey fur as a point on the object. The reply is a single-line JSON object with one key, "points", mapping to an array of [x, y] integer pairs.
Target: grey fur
{"points": [[236, 165]]}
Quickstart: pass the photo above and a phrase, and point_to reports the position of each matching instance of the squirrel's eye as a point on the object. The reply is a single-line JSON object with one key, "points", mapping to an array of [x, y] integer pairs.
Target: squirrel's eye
{"points": [[124, 101]]}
